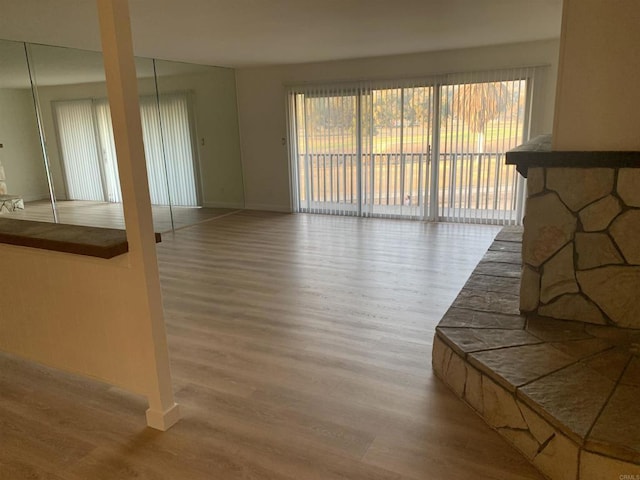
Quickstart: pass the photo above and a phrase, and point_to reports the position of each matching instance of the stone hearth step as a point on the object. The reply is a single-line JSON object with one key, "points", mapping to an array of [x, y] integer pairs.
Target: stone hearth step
{"points": [[566, 394]]}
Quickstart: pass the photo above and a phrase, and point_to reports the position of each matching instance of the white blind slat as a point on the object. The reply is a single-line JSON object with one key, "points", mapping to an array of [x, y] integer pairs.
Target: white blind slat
{"points": [[88, 151], [479, 117], [77, 142]]}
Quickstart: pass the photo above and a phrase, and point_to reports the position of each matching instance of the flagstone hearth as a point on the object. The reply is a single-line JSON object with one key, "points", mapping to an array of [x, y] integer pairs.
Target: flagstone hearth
{"points": [[564, 393]]}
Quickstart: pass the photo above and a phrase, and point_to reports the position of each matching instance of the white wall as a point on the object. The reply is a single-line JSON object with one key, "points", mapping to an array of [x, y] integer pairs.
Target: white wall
{"points": [[217, 123], [261, 102], [21, 155], [598, 98]]}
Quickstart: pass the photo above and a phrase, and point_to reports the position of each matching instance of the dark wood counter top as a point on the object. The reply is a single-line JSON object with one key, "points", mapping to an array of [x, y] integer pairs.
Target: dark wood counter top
{"points": [[76, 239], [537, 153]]}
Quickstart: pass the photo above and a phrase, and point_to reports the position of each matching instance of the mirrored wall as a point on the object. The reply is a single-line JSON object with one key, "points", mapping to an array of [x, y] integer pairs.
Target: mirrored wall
{"points": [[58, 155], [23, 176]]}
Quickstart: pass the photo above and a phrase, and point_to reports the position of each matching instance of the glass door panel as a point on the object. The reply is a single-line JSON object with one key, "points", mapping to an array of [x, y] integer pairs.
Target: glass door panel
{"points": [[479, 123], [25, 191], [327, 143]]}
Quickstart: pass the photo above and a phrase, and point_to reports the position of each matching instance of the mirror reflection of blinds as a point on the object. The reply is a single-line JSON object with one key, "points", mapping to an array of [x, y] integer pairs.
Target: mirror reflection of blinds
{"points": [[87, 148], [79, 149], [108, 151]]}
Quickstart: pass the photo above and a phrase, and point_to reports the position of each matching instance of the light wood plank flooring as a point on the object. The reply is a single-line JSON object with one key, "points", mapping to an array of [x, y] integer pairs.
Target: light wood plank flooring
{"points": [[300, 350]]}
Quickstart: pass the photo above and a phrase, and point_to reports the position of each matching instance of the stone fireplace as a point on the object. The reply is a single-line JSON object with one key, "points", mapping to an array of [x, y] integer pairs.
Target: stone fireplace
{"points": [[581, 250], [543, 341]]}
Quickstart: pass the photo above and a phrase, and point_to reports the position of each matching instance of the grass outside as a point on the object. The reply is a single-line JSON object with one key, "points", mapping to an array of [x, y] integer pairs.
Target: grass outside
{"points": [[499, 136]]}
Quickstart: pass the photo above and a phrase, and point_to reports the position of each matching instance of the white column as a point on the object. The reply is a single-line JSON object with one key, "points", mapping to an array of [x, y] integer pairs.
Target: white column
{"points": [[597, 98], [122, 87]]}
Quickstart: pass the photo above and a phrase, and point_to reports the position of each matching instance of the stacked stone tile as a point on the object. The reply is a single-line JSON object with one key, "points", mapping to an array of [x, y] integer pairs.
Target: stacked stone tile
{"points": [[580, 246], [564, 393]]}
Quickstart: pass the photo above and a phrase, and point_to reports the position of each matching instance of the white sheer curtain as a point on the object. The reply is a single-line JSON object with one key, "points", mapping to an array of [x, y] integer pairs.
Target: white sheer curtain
{"points": [[88, 152]]}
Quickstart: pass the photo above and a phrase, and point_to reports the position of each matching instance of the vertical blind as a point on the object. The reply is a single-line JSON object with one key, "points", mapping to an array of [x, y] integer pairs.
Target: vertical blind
{"points": [[431, 148], [362, 150], [85, 136], [107, 150], [178, 147], [79, 148], [482, 116]]}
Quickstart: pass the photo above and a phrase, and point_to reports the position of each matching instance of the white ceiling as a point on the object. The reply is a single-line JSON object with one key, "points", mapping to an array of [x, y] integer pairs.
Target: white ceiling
{"points": [[264, 32]]}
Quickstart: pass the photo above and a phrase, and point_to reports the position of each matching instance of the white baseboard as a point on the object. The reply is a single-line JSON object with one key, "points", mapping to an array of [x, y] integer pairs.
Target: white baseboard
{"points": [[237, 206], [163, 420], [268, 207], [34, 197]]}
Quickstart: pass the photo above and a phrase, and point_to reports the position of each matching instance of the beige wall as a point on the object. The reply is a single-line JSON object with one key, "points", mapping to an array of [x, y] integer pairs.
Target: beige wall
{"points": [[80, 314], [598, 100], [261, 102], [216, 119], [21, 155], [100, 318]]}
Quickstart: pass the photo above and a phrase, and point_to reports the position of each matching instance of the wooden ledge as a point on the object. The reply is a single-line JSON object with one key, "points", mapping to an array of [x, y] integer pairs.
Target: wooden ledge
{"points": [[58, 237], [537, 153]]}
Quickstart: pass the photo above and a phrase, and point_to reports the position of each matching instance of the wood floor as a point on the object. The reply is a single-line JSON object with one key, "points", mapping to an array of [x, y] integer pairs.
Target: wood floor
{"points": [[110, 215], [300, 348]]}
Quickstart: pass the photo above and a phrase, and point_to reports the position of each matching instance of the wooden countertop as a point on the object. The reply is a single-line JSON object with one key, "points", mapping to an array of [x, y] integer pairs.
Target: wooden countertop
{"points": [[59, 237]]}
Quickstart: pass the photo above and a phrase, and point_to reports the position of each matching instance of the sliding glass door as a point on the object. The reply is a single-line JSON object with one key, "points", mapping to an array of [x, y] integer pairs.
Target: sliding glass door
{"points": [[396, 138], [427, 150], [328, 151], [479, 121], [362, 151]]}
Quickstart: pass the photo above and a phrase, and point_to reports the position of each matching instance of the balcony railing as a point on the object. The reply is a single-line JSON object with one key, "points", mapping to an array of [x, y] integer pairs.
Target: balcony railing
{"points": [[468, 186]]}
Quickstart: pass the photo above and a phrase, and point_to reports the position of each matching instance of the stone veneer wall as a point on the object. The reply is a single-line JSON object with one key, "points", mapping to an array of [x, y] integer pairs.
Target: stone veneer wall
{"points": [[581, 245]]}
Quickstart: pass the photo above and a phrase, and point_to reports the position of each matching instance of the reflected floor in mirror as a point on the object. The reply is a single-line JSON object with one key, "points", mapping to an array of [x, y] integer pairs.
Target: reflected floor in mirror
{"points": [[110, 215]]}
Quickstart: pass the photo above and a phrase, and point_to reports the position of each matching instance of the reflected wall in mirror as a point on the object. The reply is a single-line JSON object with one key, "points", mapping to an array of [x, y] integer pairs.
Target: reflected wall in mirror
{"points": [[203, 159], [190, 132], [153, 136], [75, 119], [23, 177]]}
